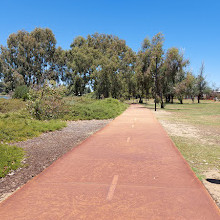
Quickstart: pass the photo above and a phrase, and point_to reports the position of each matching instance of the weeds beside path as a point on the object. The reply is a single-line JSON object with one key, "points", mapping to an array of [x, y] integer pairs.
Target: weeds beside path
{"points": [[17, 124]]}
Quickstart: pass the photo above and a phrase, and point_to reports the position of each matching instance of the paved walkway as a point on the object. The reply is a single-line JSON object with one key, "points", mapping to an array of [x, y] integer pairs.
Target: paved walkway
{"points": [[128, 170]]}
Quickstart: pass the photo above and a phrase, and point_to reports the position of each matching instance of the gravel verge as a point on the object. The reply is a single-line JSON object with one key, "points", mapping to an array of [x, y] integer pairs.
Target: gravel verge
{"points": [[42, 151]]}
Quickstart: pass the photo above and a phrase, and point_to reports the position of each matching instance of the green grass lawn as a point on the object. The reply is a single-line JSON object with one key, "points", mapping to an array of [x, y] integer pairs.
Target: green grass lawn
{"points": [[201, 148], [16, 124]]}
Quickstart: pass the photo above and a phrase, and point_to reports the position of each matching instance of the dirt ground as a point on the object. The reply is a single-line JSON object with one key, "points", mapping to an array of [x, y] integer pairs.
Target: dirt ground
{"points": [[213, 184], [189, 131], [43, 150]]}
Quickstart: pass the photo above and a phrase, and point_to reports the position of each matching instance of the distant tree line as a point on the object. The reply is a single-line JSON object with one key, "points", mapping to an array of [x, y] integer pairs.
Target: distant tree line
{"points": [[100, 63]]}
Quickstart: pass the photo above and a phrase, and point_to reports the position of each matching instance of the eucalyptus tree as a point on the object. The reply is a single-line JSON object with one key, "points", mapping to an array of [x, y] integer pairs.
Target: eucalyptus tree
{"points": [[43, 54], [157, 61], [114, 66], [81, 61], [190, 85], [201, 84], [103, 78], [127, 73], [142, 70], [59, 67], [174, 67], [143, 74], [180, 90], [28, 57], [14, 63], [149, 66]]}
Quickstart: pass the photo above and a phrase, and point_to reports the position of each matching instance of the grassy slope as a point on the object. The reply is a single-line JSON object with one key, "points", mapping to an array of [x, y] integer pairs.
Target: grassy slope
{"points": [[202, 153], [17, 125]]}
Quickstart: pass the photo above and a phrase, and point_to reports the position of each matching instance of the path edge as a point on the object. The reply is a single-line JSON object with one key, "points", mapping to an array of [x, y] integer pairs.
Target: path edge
{"points": [[185, 161], [17, 191]]}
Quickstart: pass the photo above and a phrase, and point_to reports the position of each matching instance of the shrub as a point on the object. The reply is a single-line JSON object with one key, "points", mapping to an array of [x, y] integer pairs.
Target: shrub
{"points": [[21, 92], [47, 103], [86, 109]]}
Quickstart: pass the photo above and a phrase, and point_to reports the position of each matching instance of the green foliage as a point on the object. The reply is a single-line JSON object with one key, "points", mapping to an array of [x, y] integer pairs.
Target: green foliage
{"points": [[47, 103], [174, 73], [19, 126], [28, 58], [87, 109], [16, 124], [148, 65], [10, 158], [201, 84], [11, 105], [180, 91], [2, 86], [21, 92], [101, 63]]}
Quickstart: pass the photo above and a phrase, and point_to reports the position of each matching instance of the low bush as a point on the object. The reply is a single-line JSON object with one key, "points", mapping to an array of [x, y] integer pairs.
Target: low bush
{"points": [[87, 109], [21, 92], [47, 103]]}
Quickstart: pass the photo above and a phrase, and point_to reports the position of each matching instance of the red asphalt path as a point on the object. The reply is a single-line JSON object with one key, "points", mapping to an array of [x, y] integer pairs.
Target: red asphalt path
{"points": [[128, 170]]}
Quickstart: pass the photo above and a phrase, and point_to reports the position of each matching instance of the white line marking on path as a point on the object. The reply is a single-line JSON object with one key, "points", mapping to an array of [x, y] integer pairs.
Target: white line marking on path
{"points": [[132, 126], [128, 139], [112, 188]]}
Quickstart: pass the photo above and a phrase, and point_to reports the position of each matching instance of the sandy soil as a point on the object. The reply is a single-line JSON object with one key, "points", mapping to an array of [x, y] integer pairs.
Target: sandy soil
{"points": [[212, 183], [43, 150]]}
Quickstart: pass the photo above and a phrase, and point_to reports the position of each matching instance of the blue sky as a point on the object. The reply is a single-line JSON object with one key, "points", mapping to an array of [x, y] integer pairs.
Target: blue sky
{"points": [[191, 25]]}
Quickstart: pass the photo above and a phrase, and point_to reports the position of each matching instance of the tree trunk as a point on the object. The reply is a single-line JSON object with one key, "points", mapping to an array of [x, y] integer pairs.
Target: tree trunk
{"points": [[161, 104], [140, 100], [171, 99], [167, 99]]}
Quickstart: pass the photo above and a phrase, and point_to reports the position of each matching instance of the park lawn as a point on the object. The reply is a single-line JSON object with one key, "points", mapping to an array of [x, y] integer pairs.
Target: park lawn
{"points": [[195, 129]]}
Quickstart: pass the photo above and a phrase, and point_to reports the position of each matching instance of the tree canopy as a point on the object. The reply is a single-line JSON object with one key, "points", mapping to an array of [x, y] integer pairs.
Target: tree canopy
{"points": [[101, 63]]}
